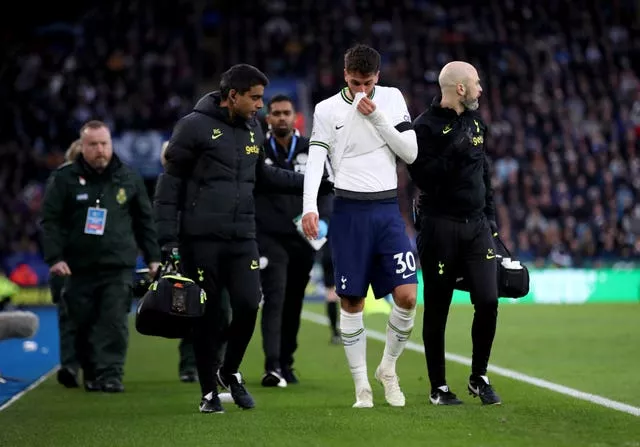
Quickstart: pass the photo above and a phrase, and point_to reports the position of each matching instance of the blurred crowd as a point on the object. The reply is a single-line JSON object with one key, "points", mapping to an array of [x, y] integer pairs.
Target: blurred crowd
{"points": [[561, 97]]}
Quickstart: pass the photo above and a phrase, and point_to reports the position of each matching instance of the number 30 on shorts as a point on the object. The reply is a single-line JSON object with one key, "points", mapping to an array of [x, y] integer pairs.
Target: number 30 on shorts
{"points": [[405, 261]]}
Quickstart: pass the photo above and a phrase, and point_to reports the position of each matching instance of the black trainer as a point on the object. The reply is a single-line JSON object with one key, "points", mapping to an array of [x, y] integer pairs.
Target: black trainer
{"points": [[67, 378], [479, 387], [211, 404], [443, 396], [273, 379], [235, 385], [92, 386], [112, 386], [188, 376], [289, 375]]}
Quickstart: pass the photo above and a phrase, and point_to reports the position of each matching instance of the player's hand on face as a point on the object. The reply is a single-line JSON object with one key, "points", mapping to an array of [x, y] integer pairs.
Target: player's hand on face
{"points": [[366, 106], [310, 225]]}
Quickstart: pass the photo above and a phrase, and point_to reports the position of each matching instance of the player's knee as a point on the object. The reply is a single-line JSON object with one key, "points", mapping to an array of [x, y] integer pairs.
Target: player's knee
{"points": [[351, 304], [405, 296], [407, 301]]}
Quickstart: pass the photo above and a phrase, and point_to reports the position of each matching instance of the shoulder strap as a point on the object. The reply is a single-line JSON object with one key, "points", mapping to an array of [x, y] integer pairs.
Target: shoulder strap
{"points": [[499, 242]]}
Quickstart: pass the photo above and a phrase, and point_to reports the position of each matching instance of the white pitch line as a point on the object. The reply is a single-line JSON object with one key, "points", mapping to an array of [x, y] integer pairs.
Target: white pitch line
{"points": [[41, 379], [515, 375], [375, 335]]}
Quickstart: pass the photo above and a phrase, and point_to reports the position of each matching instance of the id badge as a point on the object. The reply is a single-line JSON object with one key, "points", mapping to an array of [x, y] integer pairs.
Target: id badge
{"points": [[96, 221]]}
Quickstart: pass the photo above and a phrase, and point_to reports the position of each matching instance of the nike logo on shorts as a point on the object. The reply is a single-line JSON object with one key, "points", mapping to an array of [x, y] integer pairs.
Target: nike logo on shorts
{"points": [[405, 275]]}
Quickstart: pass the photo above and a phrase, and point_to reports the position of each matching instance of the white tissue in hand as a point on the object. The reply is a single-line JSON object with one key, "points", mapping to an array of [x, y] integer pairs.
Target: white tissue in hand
{"points": [[357, 98]]}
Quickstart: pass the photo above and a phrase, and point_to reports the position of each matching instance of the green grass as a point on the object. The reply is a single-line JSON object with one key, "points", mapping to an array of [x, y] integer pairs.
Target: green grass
{"points": [[592, 348]]}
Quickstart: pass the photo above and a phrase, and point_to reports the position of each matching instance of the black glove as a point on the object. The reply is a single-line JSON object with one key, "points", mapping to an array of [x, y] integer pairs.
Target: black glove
{"points": [[326, 188], [494, 228]]}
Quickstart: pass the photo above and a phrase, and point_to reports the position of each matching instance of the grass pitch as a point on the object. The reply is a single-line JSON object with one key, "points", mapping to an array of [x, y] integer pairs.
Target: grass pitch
{"points": [[592, 348]]}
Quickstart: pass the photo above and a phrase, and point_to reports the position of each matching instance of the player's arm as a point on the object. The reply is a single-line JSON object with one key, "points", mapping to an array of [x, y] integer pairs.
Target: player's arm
{"points": [[318, 149], [312, 180], [319, 144], [396, 130], [181, 156]]}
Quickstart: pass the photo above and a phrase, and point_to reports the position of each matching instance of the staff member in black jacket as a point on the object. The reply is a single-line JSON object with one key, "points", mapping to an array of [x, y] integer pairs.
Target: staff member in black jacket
{"points": [[290, 257], [214, 160], [457, 222]]}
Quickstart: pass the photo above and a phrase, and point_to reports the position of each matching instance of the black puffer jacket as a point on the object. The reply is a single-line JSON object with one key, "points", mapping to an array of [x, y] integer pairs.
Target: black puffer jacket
{"points": [[452, 168], [213, 165]]}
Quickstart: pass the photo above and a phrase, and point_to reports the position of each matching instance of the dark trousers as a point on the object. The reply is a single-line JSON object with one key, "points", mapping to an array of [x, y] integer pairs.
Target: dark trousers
{"points": [[284, 281], [98, 305], [449, 249], [185, 348], [66, 328], [187, 361], [218, 265]]}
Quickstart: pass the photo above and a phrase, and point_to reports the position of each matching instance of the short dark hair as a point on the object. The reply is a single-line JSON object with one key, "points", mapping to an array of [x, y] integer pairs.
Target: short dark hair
{"points": [[241, 78], [280, 98], [362, 59]]}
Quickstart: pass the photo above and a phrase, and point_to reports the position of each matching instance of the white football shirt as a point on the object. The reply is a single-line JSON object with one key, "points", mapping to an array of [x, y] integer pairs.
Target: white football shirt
{"points": [[361, 160]]}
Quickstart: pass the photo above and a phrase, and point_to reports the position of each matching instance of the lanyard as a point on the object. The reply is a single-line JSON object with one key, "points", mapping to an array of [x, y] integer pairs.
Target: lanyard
{"points": [[292, 149]]}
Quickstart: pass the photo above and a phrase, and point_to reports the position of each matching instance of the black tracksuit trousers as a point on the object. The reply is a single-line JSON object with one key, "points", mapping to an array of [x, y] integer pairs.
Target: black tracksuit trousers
{"points": [[218, 265], [451, 248], [284, 281]]}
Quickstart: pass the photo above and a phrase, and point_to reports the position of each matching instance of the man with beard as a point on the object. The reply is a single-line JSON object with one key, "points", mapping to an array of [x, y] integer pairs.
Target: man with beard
{"points": [[456, 226], [96, 214], [288, 257]]}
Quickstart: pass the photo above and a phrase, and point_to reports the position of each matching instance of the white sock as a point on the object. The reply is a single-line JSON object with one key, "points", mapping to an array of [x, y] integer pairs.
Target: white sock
{"points": [[354, 338], [398, 333]]}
